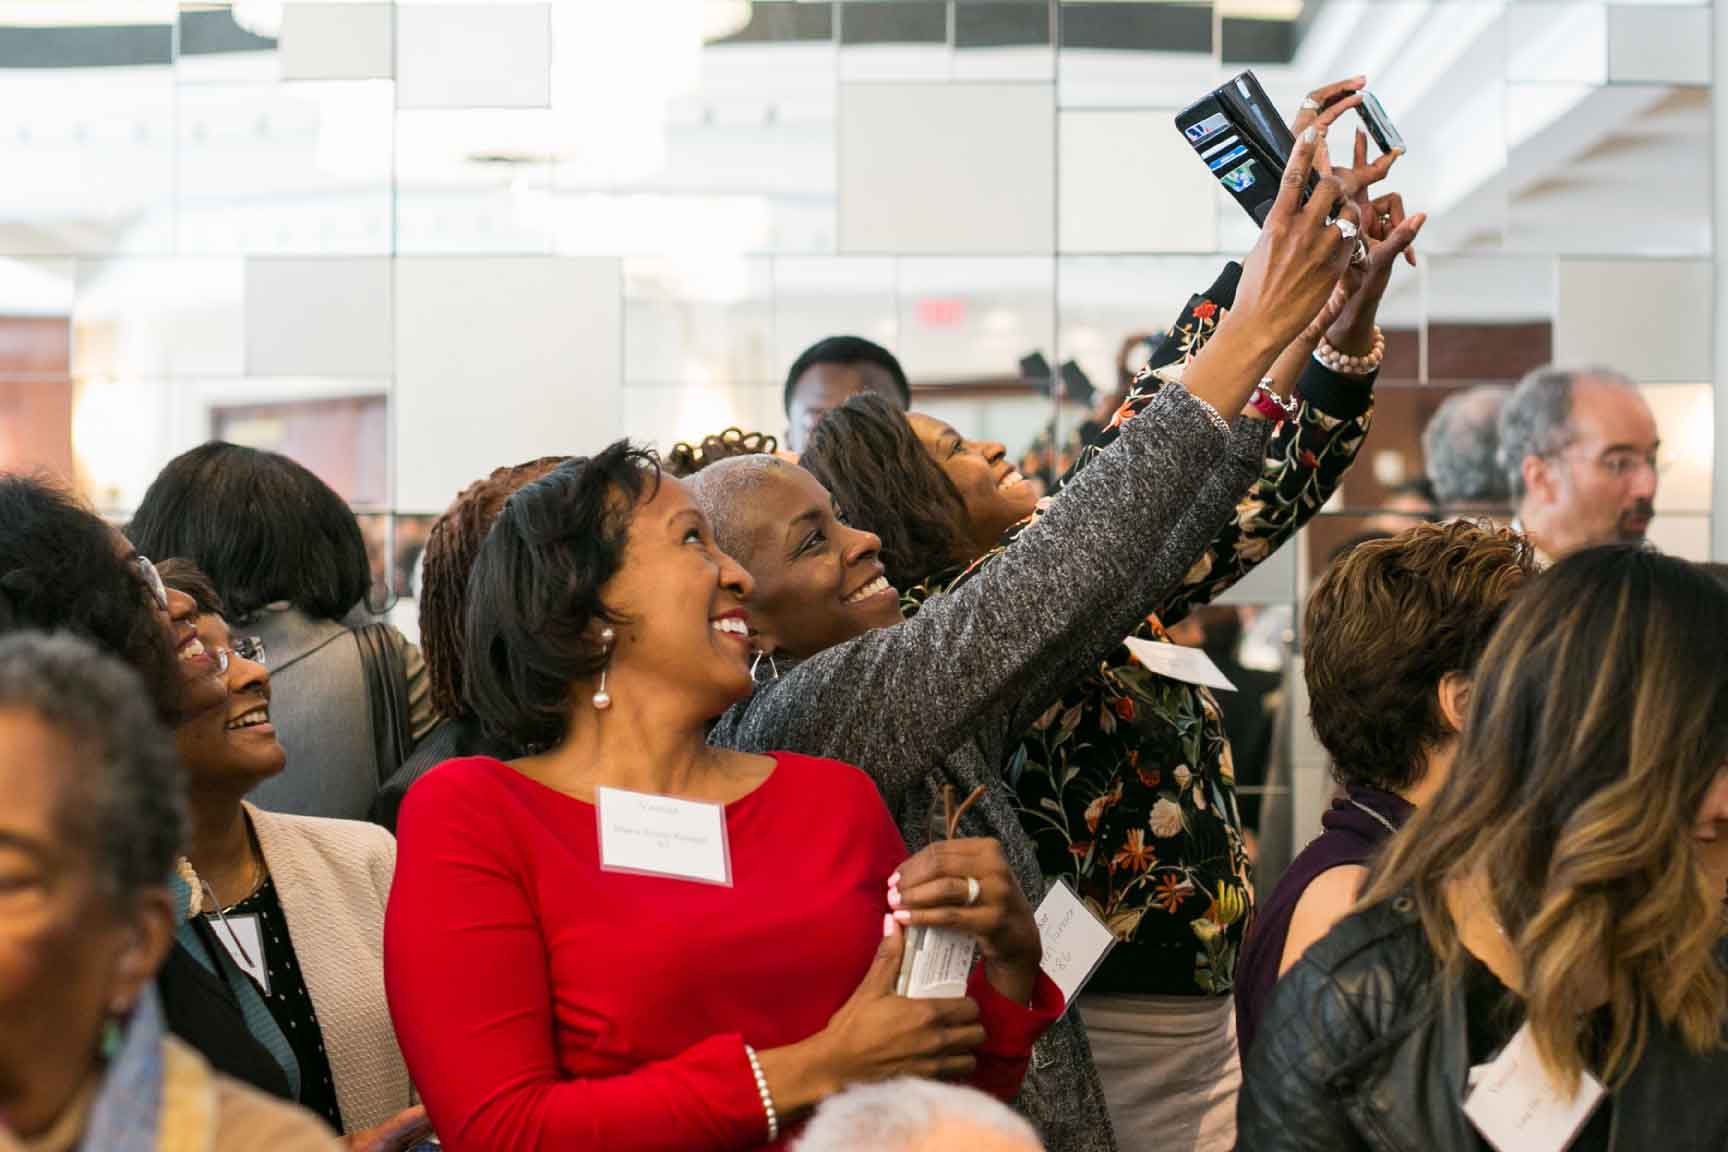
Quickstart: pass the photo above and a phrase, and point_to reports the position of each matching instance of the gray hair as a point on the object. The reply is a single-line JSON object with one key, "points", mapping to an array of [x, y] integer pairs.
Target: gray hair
{"points": [[895, 1114], [722, 489], [1460, 444], [1537, 418], [121, 799]]}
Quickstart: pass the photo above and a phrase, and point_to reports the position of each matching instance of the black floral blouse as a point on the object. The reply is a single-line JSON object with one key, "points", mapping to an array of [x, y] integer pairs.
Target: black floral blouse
{"points": [[1126, 784]]}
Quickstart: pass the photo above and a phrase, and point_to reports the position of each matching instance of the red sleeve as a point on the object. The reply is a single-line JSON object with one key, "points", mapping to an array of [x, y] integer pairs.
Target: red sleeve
{"points": [[465, 970], [1010, 1030]]}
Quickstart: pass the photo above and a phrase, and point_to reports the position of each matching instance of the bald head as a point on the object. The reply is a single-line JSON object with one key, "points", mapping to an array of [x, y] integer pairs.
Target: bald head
{"points": [[723, 490]]}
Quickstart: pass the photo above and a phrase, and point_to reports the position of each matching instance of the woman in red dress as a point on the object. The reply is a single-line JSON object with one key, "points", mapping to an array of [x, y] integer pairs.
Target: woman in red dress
{"points": [[553, 987]]}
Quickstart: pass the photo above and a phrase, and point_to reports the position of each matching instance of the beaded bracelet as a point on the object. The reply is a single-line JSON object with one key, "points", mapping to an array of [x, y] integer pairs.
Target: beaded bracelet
{"points": [[1329, 356], [767, 1097]]}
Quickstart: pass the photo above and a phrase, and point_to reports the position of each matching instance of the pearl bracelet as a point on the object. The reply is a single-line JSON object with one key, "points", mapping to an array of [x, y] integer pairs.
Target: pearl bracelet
{"points": [[767, 1097], [1352, 365]]}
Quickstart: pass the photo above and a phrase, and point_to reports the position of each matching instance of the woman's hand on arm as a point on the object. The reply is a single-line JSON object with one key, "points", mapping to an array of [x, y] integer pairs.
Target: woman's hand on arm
{"points": [[931, 888]]}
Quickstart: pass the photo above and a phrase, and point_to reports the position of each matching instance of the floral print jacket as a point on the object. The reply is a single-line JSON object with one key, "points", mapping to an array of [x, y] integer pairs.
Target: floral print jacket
{"points": [[1126, 784]]}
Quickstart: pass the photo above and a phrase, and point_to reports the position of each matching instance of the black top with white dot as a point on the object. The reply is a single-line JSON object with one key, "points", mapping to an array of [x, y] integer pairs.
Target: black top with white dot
{"points": [[291, 1004]]}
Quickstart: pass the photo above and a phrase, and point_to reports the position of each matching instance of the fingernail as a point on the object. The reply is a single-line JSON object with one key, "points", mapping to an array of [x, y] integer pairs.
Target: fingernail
{"points": [[902, 917], [1309, 133], [887, 925], [893, 897], [894, 880]]}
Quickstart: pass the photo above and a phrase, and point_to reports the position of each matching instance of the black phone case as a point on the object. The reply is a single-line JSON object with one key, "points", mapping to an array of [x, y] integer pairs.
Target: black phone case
{"points": [[1236, 131]]}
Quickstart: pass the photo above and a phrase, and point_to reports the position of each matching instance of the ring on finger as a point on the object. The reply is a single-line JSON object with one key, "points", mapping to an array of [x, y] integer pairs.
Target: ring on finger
{"points": [[1385, 219], [973, 890], [1360, 255], [1309, 104], [1346, 228]]}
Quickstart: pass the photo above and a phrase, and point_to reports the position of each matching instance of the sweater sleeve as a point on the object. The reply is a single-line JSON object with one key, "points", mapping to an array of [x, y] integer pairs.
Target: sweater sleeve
{"points": [[1302, 467], [1010, 1030], [896, 700], [465, 970]]}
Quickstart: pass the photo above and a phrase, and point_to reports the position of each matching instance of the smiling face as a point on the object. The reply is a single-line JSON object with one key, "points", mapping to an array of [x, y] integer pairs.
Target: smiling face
{"points": [[997, 497], [683, 602], [819, 582], [234, 746]]}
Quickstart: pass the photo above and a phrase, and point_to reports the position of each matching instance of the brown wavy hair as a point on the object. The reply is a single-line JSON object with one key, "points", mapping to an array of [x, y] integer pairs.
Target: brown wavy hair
{"points": [[866, 453], [687, 459], [1598, 722], [451, 547], [1386, 623]]}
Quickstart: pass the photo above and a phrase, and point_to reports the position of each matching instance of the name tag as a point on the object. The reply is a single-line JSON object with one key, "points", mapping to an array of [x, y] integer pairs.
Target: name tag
{"points": [[936, 965], [1518, 1109], [1189, 665], [243, 939], [1075, 941], [663, 836]]}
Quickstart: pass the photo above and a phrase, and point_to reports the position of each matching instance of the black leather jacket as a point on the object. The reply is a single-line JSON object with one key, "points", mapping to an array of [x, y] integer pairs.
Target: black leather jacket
{"points": [[1358, 1054]]}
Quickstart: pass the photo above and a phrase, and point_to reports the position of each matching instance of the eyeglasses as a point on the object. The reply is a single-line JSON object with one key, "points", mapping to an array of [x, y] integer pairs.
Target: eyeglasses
{"points": [[249, 648], [152, 581]]}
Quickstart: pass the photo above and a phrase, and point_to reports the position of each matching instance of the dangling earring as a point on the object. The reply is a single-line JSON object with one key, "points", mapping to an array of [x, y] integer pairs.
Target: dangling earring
{"points": [[602, 698], [114, 1033], [773, 668]]}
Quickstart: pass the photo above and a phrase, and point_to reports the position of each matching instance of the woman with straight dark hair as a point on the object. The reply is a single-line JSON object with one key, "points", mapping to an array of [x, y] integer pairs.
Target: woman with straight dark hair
{"points": [[555, 979], [286, 555], [1557, 908]]}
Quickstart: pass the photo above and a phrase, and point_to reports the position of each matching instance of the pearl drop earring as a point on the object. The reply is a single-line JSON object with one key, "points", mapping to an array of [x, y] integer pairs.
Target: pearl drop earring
{"points": [[602, 698]]}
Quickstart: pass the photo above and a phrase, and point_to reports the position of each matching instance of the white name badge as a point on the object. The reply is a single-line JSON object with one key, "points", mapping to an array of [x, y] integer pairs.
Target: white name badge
{"points": [[1189, 665], [243, 939], [1518, 1109], [936, 965], [1075, 941], [663, 836]]}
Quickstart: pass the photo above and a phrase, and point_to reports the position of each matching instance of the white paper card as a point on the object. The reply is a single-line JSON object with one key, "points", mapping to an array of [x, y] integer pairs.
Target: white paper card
{"points": [[1518, 1109], [1189, 665], [663, 836], [1075, 941], [243, 939], [937, 963]]}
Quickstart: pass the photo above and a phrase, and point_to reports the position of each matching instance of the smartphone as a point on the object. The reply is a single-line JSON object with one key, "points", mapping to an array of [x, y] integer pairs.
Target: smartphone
{"points": [[1379, 124], [1239, 136]]}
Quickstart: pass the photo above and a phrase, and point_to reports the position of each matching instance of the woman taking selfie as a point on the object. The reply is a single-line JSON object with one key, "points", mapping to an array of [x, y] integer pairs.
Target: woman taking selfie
{"points": [[1550, 926], [1069, 562], [556, 984]]}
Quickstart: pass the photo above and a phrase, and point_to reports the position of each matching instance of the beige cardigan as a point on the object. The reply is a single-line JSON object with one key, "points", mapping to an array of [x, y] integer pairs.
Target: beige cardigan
{"points": [[201, 1112], [333, 878]]}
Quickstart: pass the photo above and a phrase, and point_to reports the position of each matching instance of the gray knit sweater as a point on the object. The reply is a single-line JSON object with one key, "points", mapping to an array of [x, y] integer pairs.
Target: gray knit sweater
{"points": [[941, 698]]}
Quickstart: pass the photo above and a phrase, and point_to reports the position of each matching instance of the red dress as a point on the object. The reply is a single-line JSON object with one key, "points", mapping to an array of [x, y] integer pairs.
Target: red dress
{"points": [[542, 1003]]}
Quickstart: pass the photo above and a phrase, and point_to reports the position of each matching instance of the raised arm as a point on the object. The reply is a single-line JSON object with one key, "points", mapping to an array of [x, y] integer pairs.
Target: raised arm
{"points": [[896, 700]]}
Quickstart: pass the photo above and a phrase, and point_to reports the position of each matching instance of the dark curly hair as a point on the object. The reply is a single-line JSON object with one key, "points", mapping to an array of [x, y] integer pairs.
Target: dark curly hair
{"points": [[452, 545], [534, 595], [1385, 624], [686, 459], [61, 571], [263, 527], [866, 453]]}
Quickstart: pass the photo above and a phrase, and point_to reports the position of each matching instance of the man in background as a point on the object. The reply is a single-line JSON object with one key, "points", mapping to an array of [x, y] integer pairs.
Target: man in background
{"points": [[1579, 453], [1460, 449], [831, 372]]}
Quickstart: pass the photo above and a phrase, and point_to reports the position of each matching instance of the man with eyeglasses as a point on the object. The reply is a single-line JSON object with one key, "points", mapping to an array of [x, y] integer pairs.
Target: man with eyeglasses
{"points": [[1579, 449]]}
